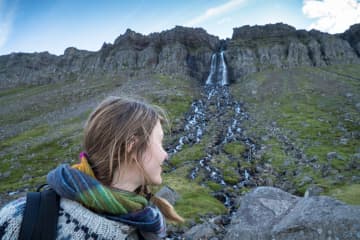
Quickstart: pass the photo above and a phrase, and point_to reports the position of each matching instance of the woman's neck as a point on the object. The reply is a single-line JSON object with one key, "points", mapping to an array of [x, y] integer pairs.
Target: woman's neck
{"points": [[127, 186], [128, 180]]}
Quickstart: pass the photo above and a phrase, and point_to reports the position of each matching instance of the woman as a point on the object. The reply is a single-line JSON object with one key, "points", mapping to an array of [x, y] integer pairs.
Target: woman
{"points": [[106, 195]]}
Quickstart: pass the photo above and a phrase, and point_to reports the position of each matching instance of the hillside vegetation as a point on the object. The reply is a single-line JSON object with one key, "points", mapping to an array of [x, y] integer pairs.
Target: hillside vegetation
{"points": [[307, 122]]}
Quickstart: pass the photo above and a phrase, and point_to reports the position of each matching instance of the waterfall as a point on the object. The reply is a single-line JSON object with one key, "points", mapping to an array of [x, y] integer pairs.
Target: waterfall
{"points": [[219, 67], [212, 69], [223, 70]]}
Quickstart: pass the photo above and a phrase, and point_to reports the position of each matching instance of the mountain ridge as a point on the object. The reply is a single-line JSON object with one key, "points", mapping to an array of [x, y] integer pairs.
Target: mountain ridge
{"points": [[185, 51]]}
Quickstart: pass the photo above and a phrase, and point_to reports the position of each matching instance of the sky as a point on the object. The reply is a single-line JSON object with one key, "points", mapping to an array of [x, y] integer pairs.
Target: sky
{"points": [[54, 25]]}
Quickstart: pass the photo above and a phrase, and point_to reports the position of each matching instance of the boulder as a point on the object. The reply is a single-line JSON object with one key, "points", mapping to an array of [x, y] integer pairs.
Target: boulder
{"points": [[202, 231], [169, 194], [270, 213]]}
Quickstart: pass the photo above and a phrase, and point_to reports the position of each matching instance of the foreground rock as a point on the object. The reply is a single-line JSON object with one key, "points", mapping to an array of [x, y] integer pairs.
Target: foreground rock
{"points": [[270, 213]]}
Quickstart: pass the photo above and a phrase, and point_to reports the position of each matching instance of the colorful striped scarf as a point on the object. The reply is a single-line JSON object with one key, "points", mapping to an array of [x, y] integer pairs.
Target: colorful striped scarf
{"points": [[78, 183]]}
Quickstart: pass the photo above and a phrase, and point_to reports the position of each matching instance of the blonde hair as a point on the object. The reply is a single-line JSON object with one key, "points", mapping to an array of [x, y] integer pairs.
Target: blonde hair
{"points": [[108, 135]]}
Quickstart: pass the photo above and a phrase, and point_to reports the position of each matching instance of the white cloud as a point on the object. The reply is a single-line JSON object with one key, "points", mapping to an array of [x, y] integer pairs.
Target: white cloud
{"points": [[215, 11], [333, 16], [6, 20]]}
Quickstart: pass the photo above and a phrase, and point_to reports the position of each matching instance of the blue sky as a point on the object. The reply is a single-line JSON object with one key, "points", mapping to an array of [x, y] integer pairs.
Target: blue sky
{"points": [[54, 25]]}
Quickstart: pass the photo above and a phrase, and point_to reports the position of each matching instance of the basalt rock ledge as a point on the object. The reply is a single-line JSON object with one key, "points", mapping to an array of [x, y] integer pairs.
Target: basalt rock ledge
{"points": [[187, 52]]}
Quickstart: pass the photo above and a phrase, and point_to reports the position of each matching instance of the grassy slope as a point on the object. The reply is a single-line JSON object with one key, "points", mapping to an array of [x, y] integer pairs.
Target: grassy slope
{"points": [[29, 153], [315, 108]]}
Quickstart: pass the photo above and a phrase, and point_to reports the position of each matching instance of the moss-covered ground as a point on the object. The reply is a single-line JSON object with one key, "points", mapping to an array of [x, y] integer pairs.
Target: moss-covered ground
{"points": [[28, 154], [310, 112]]}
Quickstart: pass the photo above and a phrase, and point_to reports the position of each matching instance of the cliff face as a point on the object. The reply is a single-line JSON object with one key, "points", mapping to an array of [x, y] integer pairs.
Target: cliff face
{"points": [[257, 48], [187, 52], [180, 51]]}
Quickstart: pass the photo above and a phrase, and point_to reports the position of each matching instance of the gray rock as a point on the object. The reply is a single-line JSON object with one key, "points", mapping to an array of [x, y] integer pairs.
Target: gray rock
{"points": [[5, 174], [356, 157], [358, 106], [348, 95], [319, 218], [169, 194], [344, 141], [331, 155], [355, 179], [201, 231], [305, 180], [259, 210], [270, 213], [313, 191]]}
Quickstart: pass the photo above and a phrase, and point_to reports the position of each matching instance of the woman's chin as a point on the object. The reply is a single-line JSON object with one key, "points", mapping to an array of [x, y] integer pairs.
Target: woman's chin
{"points": [[157, 181]]}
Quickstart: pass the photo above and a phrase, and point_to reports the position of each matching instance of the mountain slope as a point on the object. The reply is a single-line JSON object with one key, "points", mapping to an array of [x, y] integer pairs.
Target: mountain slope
{"points": [[307, 121]]}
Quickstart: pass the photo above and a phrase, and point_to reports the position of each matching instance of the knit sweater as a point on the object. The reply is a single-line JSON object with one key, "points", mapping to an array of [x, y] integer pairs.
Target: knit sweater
{"points": [[74, 222]]}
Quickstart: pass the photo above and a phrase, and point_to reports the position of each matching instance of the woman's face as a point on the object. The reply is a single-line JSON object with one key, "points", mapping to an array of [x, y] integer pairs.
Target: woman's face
{"points": [[155, 155]]}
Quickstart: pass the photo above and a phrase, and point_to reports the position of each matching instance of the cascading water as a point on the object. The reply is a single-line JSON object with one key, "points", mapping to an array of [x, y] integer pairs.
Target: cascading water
{"points": [[212, 69], [223, 70], [220, 68], [216, 95]]}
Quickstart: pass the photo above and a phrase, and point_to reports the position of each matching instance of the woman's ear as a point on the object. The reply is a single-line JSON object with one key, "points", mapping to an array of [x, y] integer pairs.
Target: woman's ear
{"points": [[130, 144]]}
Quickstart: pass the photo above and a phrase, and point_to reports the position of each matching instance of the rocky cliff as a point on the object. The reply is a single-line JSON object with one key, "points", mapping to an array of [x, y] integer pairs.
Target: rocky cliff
{"points": [[272, 46], [179, 51], [187, 52]]}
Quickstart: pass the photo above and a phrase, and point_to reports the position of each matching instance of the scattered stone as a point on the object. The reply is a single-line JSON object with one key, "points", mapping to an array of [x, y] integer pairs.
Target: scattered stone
{"points": [[305, 180], [268, 168], [348, 95], [269, 182], [259, 169], [26, 176], [313, 190], [13, 193], [314, 158], [305, 124], [355, 179], [331, 155], [286, 163], [358, 106], [356, 157], [344, 141], [5, 174], [265, 138], [202, 231], [237, 201], [169, 194]]}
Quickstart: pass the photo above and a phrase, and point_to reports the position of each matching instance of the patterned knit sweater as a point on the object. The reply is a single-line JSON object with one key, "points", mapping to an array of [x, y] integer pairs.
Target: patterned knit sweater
{"points": [[75, 222]]}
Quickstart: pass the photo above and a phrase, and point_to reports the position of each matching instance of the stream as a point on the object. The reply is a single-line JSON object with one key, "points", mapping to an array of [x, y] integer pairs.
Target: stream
{"points": [[216, 108]]}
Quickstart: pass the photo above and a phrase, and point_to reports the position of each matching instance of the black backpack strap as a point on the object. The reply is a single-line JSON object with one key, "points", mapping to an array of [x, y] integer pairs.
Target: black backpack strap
{"points": [[41, 220], [31, 213], [48, 215]]}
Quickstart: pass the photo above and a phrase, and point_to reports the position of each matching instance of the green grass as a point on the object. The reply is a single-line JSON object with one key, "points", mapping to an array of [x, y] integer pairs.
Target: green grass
{"points": [[174, 94], [311, 108], [188, 154], [349, 194], [276, 155], [33, 101], [227, 167], [195, 200], [40, 149], [37, 161], [235, 148], [27, 135]]}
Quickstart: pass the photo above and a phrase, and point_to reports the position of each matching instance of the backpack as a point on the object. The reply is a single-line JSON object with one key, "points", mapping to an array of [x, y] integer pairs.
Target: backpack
{"points": [[41, 215]]}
